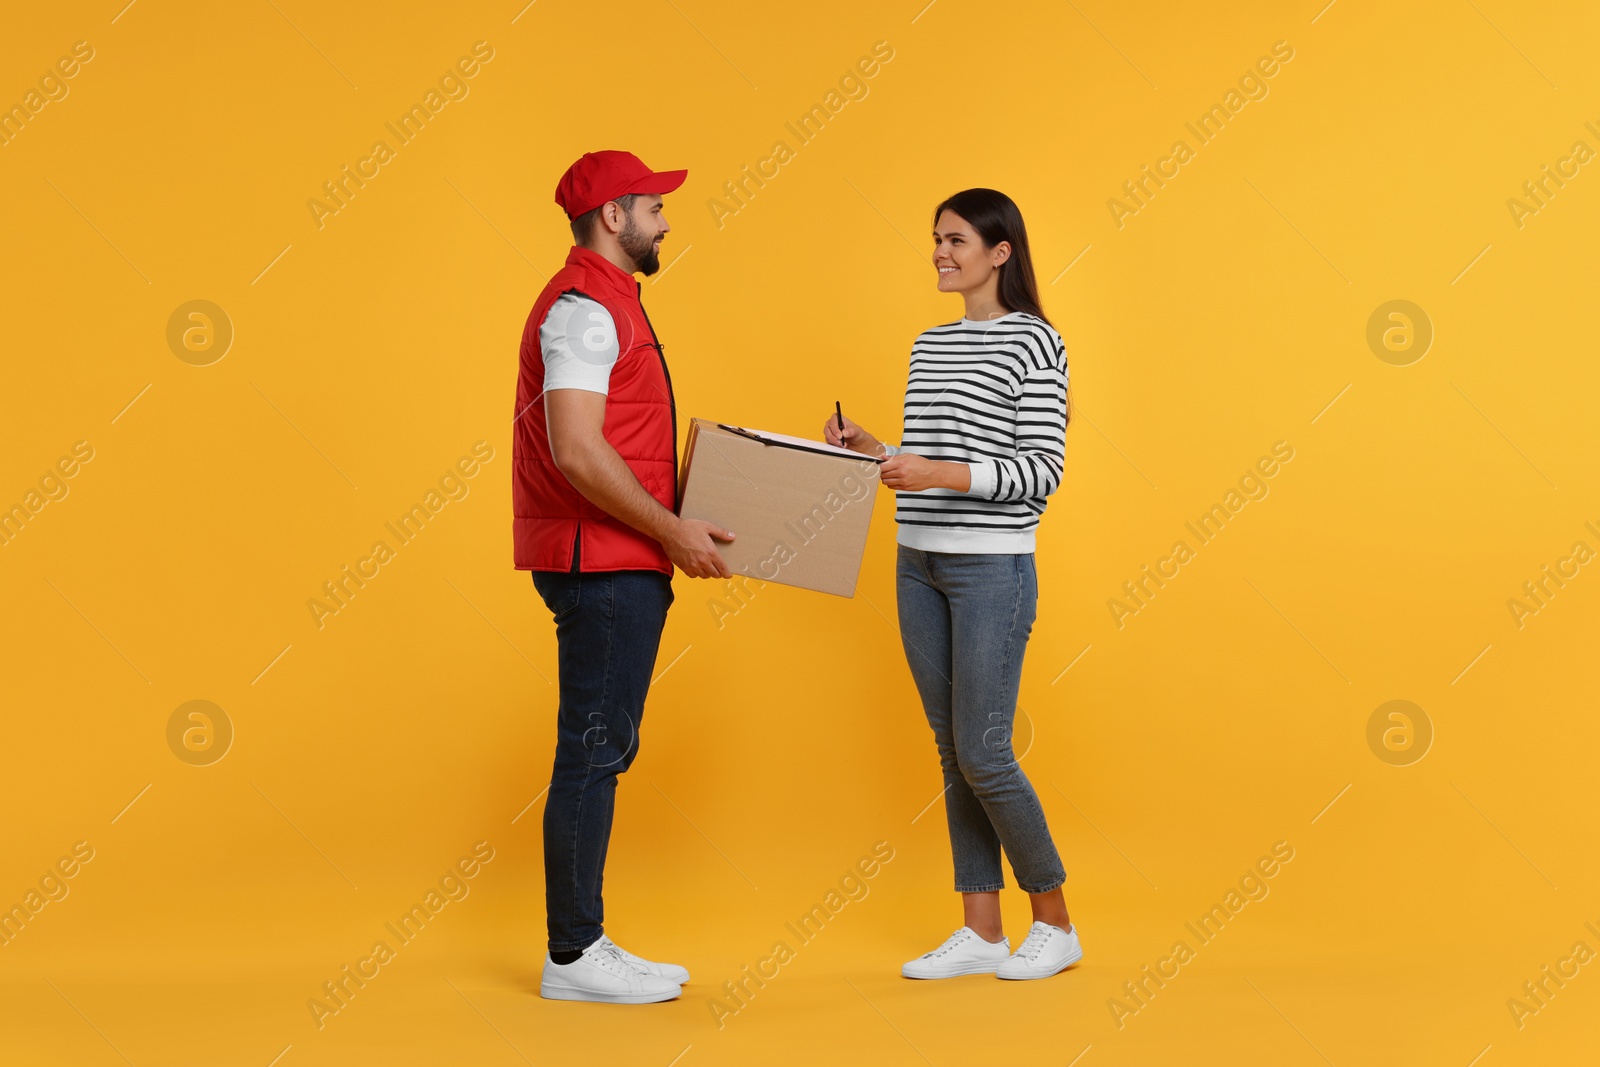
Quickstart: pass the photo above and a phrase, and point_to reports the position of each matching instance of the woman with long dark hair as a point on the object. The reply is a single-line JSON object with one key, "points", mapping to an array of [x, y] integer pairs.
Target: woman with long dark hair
{"points": [[985, 426]]}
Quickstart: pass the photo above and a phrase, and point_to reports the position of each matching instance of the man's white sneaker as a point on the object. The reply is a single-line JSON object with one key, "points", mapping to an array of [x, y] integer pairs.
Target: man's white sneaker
{"points": [[602, 975], [670, 971], [1045, 951], [964, 952]]}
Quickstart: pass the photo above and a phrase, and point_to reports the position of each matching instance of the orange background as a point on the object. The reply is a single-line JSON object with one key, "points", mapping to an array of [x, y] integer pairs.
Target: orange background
{"points": [[369, 354]]}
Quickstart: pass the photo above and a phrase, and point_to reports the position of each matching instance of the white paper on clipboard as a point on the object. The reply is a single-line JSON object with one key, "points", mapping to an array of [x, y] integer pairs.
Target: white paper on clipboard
{"points": [[803, 443]]}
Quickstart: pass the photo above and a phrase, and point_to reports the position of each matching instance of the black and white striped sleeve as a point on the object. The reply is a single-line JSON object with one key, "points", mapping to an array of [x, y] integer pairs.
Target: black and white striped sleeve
{"points": [[1036, 470]]}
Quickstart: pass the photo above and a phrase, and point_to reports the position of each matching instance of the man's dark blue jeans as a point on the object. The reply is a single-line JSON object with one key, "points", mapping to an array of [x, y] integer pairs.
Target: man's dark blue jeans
{"points": [[608, 630]]}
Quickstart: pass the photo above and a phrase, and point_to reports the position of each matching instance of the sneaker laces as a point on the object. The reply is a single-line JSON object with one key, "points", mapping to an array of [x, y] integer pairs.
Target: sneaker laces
{"points": [[1034, 943], [954, 941], [610, 958], [638, 963]]}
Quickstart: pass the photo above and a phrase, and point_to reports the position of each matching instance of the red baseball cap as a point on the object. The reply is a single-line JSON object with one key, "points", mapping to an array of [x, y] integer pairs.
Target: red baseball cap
{"points": [[601, 176]]}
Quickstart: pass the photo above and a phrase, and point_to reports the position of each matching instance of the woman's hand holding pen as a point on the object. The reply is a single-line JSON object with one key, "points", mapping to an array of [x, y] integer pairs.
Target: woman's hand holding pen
{"points": [[907, 472], [852, 437]]}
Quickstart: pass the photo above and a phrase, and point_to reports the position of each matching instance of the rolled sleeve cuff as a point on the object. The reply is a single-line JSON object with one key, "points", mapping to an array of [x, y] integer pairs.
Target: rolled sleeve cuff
{"points": [[890, 450], [983, 476]]}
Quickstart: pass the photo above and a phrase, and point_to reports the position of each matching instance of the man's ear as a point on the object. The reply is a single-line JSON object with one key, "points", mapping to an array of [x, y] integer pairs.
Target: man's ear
{"points": [[611, 216]]}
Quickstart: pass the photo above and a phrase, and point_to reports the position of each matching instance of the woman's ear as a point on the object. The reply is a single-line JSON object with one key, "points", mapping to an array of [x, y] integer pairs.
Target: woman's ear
{"points": [[1001, 252]]}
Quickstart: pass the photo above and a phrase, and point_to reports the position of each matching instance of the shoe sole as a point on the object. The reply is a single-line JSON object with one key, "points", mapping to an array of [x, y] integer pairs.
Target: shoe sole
{"points": [[963, 971], [549, 992], [1051, 974]]}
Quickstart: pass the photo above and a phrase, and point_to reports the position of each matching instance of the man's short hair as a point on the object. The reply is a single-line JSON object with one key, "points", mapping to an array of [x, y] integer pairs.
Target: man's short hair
{"points": [[583, 226]]}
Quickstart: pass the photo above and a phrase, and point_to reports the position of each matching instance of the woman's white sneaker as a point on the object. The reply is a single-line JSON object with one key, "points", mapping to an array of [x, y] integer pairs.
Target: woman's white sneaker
{"points": [[602, 975], [1047, 950], [964, 952], [670, 971]]}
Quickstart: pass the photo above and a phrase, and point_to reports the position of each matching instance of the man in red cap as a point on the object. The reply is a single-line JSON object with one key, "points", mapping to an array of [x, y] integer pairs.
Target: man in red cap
{"points": [[594, 496]]}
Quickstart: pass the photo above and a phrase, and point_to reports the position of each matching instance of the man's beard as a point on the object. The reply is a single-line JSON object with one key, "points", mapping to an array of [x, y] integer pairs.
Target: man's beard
{"points": [[640, 249]]}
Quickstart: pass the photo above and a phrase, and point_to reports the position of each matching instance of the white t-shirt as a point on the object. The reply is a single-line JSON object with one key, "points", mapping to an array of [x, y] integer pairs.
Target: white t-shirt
{"points": [[578, 341]]}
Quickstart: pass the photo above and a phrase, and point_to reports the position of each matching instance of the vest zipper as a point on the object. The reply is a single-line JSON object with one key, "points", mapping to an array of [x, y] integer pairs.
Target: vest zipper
{"points": [[672, 401]]}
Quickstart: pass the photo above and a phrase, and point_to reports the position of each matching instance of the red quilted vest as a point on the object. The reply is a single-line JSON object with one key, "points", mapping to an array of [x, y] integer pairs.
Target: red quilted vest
{"points": [[549, 515]]}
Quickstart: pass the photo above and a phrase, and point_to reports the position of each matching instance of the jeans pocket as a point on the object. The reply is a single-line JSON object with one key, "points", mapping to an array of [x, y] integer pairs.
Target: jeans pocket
{"points": [[560, 592], [1027, 592], [568, 605]]}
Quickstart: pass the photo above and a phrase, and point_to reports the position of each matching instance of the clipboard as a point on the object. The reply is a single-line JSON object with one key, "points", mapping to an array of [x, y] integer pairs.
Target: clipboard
{"points": [[799, 443]]}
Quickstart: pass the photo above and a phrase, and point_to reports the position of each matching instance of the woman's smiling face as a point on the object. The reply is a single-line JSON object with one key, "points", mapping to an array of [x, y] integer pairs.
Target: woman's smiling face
{"points": [[963, 262]]}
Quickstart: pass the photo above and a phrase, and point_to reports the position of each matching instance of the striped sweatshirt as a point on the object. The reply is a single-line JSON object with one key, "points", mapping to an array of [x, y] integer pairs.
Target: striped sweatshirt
{"points": [[992, 395]]}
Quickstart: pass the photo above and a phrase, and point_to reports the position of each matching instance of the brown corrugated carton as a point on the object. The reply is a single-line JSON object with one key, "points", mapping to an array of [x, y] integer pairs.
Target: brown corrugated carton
{"points": [[801, 509]]}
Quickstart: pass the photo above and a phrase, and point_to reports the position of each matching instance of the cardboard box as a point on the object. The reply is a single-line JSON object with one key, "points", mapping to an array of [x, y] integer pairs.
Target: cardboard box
{"points": [[801, 509]]}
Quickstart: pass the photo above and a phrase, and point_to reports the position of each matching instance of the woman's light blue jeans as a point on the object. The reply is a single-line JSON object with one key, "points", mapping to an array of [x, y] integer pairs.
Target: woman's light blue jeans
{"points": [[965, 621]]}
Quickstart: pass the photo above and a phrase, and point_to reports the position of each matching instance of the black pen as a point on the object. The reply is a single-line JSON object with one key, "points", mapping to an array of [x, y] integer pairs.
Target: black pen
{"points": [[840, 414]]}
